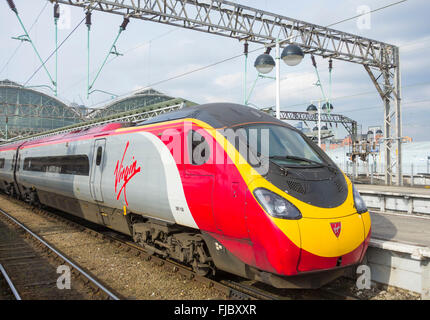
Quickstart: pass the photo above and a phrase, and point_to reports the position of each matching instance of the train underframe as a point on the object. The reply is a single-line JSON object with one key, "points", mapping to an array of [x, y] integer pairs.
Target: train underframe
{"points": [[194, 248]]}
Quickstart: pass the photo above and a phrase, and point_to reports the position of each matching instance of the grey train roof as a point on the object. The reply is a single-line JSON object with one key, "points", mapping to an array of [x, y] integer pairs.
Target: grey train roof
{"points": [[218, 115]]}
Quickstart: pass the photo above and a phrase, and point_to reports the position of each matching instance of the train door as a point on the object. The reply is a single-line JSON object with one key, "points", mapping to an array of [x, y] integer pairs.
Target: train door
{"points": [[199, 176], [97, 170], [230, 196]]}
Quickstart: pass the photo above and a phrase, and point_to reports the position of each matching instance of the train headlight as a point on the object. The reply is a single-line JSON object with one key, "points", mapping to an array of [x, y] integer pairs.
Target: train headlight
{"points": [[276, 206], [358, 201]]}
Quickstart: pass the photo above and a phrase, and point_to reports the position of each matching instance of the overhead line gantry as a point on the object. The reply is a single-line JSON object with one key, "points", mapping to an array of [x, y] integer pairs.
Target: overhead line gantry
{"points": [[380, 60]]}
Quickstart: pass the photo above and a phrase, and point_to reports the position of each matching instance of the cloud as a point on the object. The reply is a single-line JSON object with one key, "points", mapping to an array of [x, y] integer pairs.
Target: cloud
{"points": [[229, 80]]}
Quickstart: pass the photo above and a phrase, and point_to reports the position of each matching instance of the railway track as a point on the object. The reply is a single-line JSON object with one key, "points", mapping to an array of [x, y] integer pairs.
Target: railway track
{"points": [[232, 288], [29, 266], [8, 290]]}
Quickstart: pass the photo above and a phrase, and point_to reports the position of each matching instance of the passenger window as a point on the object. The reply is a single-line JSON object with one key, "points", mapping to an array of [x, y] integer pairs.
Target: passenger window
{"points": [[99, 156], [198, 148], [76, 164]]}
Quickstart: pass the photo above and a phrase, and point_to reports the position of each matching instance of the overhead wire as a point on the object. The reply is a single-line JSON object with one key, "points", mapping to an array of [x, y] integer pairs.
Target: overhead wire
{"points": [[204, 67], [115, 57], [59, 46], [250, 51], [20, 44]]}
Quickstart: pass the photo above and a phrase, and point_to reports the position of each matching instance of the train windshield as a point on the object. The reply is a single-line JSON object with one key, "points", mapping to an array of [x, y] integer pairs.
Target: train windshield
{"points": [[281, 145]]}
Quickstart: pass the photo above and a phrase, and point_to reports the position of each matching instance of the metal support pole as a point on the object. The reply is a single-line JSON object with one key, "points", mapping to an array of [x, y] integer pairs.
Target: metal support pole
{"points": [[88, 61], [34, 48], [245, 51], [319, 124], [330, 68], [107, 56], [278, 80], [398, 120], [56, 57], [354, 168], [371, 173], [387, 131], [252, 89], [412, 175], [88, 23], [367, 167]]}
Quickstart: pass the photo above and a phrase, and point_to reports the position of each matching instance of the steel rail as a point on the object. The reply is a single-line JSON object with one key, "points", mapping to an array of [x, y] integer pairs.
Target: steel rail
{"points": [[10, 283], [86, 275], [233, 289], [230, 290]]}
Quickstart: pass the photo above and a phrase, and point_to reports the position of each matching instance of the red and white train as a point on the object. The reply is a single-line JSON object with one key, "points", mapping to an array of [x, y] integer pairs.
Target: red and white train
{"points": [[189, 185]]}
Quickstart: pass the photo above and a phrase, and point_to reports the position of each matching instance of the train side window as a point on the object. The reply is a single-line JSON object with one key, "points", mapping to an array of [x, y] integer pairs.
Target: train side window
{"points": [[198, 148], [99, 156], [76, 164]]}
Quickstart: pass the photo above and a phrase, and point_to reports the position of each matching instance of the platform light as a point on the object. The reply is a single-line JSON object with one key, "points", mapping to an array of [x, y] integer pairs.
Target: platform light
{"points": [[292, 55], [324, 130], [370, 135], [327, 107], [312, 109], [264, 63]]}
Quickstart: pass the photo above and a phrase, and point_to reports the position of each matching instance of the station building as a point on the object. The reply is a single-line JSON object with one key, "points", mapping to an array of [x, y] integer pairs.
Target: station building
{"points": [[24, 111], [143, 100]]}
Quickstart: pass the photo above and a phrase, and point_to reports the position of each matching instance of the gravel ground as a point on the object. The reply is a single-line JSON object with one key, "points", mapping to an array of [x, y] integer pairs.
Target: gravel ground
{"points": [[129, 275], [376, 292], [5, 293]]}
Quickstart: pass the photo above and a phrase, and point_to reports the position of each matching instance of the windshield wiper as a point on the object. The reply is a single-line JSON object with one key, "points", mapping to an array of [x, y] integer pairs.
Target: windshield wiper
{"points": [[319, 164]]}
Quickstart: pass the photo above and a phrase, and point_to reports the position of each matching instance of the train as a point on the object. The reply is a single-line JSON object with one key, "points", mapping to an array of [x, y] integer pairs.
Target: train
{"points": [[220, 187]]}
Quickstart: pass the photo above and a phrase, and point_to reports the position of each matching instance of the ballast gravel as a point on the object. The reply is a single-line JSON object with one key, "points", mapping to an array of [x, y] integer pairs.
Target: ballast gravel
{"points": [[135, 278], [131, 276]]}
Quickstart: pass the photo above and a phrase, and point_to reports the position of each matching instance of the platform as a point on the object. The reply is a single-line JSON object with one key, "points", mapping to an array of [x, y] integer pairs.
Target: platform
{"points": [[421, 191], [397, 199], [413, 230], [399, 251]]}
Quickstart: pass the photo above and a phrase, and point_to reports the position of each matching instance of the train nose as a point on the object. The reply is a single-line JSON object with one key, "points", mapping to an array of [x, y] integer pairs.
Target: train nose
{"points": [[330, 242]]}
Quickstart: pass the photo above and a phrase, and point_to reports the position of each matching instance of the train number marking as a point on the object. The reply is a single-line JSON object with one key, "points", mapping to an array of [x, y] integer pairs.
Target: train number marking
{"points": [[123, 175]]}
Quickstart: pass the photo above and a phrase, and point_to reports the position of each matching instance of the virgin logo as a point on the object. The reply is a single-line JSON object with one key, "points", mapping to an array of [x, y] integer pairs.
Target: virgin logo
{"points": [[336, 227], [123, 175]]}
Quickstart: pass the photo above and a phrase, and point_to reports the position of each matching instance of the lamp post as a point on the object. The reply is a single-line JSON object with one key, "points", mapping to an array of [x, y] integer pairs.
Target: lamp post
{"points": [[292, 55]]}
